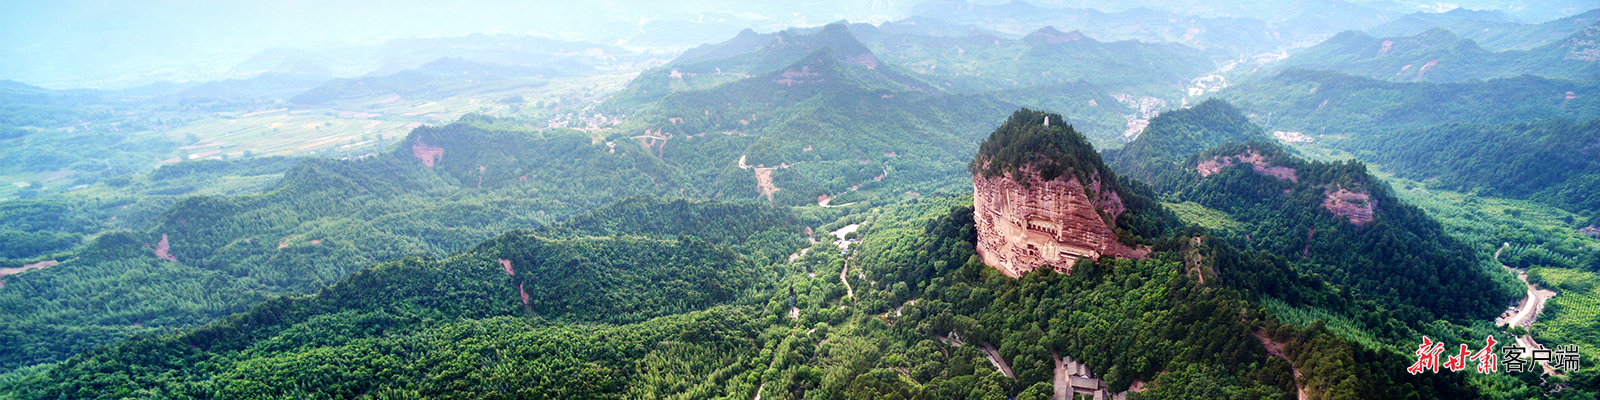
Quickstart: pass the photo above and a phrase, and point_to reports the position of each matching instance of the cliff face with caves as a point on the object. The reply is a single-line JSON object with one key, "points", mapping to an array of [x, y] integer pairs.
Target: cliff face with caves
{"points": [[1026, 221], [1041, 197]]}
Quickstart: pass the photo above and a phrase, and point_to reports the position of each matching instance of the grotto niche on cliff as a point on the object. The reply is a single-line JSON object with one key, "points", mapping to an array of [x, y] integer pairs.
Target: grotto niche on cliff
{"points": [[1042, 197]]}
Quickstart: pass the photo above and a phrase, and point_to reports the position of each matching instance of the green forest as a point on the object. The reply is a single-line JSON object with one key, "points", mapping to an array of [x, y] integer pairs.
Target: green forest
{"points": [[1301, 195], [678, 298]]}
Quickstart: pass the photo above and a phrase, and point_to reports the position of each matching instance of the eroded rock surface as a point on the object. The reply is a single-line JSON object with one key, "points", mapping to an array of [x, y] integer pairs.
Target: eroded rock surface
{"points": [[1257, 163], [1354, 204], [1054, 222], [429, 155]]}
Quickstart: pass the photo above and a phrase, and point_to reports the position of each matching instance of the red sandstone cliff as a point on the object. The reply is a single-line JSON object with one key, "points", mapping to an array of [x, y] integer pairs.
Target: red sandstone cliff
{"points": [[1052, 223]]}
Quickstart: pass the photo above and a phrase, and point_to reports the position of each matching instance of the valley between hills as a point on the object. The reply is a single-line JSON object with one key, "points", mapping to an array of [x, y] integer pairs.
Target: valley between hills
{"points": [[969, 200]]}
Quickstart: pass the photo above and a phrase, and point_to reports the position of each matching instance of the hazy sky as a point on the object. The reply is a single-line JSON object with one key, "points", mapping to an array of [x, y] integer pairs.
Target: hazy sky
{"points": [[119, 43], [100, 43]]}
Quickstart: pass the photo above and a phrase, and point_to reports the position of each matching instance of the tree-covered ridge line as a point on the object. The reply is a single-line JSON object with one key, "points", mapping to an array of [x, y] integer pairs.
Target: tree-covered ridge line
{"points": [[456, 327], [1284, 205], [1493, 32], [1164, 148], [1554, 161], [1438, 55], [424, 328], [321, 220], [1294, 221], [1325, 104], [1355, 320], [1527, 137], [634, 266]]}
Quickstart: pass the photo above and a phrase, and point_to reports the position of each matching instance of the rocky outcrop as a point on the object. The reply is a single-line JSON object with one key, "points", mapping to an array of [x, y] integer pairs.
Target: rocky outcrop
{"points": [[1354, 204], [163, 249], [1257, 162], [1025, 221], [429, 155], [1346, 198], [802, 75]]}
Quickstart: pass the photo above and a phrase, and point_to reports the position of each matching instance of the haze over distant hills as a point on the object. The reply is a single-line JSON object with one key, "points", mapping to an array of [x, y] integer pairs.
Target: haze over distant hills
{"points": [[858, 199], [118, 45], [1439, 55]]}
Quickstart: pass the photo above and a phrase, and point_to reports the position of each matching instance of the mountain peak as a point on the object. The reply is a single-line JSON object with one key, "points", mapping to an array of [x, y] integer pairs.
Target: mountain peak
{"points": [[1438, 35], [1178, 135], [1495, 16], [1050, 35], [1040, 141], [1041, 196]]}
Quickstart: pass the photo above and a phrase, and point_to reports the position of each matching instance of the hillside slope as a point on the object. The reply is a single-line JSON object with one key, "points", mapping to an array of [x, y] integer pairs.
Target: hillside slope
{"points": [[1438, 55]]}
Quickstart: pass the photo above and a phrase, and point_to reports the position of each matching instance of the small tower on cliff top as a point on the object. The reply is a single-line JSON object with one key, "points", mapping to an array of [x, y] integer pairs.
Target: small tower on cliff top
{"points": [[1042, 197]]}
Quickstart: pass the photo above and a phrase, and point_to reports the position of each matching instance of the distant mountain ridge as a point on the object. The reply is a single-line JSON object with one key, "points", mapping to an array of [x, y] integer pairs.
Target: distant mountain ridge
{"points": [[1441, 56], [1494, 30], [431, 81], [840, 117], [1216, 35]]}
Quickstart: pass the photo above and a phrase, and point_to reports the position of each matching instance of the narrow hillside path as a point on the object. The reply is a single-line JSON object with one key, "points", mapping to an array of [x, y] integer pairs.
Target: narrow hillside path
{"points": [[1063, 386], [844, 246], [1275, 349], [994, 358], [988, 352], [848, 291]]}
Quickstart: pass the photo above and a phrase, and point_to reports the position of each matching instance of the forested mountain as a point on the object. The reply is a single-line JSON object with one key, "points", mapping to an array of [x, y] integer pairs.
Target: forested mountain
{"points": [[1331, 218], [751, 54], [25, 106], [326, 217], [1217, 35], [1027, 142], [1161, 151], [1349, 229], [1525, 136], [582, 271], [1438, 55], [434, 80], [835, 121], [393, 56], [1556, 161], [446, 189], [1325, 105], [809, 212], [982, 61], [628, 301], [1494, 30], [84, 132]]}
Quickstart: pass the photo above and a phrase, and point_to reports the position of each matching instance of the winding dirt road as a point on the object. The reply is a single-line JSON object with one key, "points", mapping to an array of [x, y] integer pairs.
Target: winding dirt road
{"points": [[1525, 313], [846, 281], [25, 268]]}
